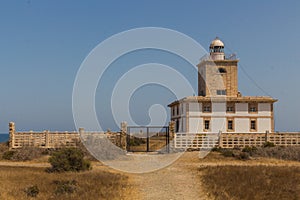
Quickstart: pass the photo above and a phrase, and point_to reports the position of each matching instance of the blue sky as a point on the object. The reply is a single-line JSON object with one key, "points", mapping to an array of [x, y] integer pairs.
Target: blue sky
{"points": [[43, 44]]}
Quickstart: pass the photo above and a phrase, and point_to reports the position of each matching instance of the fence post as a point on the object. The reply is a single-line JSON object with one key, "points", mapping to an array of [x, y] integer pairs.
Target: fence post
{"points": [[171, 128], [12, 130], [267, 137], [220, 139], [81, 131], [123, 135], [47, 141]]}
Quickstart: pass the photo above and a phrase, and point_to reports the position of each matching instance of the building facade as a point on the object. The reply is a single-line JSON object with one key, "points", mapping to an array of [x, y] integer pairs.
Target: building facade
{"points": [[219, 106]]}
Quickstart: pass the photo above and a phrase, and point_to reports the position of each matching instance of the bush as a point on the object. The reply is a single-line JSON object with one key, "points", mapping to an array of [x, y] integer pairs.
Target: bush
{"points": [[227, 153], [4, 146], [85, 151], [7, 155], [65, 187], [243, 156], [217, 149], [268, 144], [285, 153], [32, 191], [137, 141], [249, 150], [26, 153], [68, 159]]}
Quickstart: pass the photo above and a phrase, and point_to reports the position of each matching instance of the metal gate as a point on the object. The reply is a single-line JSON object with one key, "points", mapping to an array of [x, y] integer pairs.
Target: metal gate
{"points": [[147, 138]]}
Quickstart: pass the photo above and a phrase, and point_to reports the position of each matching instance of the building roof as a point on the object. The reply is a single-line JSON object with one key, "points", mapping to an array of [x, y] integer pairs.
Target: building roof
{"points": [[242, 99]]}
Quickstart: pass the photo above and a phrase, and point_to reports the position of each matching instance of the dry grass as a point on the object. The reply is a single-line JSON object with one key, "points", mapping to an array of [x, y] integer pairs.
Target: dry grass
{"points": [[284, 153], [252, 182], [89, 185]]}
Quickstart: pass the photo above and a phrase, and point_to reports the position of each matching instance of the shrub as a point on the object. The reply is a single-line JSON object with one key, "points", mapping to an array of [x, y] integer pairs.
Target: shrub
{"points": [[227, 153], [285, 153], [7, 155], [250, 150], [65, 187], [26, 153], [85, 151], [32, 191], [4, 146], [243, 156], [137, 141], [217, 149], [269, 144], [68, 159]]}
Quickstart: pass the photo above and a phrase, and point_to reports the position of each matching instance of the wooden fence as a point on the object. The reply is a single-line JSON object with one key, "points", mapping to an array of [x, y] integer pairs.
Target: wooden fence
{"points": [[232, 140], [47, 139], [58, 139]]}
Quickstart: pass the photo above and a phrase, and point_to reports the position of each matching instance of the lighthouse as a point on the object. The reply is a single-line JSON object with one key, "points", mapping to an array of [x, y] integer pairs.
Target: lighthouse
{"points": [[219, 106]]}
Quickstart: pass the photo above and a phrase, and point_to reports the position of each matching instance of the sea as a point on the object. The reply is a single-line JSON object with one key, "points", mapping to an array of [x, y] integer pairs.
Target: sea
{"points": [[4, 137]]}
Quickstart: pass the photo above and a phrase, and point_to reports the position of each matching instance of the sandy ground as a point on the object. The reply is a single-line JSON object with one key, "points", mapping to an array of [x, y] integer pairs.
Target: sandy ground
{"points": [[180, 180]]}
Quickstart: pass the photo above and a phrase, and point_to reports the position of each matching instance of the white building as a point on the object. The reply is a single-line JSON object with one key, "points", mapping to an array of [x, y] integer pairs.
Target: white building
{"points": [[219, 106]]}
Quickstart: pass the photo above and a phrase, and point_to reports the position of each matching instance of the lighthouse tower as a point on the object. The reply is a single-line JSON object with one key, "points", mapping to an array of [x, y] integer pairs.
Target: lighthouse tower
{"points": [[217, 73]]}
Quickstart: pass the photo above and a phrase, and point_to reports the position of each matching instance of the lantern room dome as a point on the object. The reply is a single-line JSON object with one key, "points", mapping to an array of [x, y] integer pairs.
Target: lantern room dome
{"points": [[216, 43]]}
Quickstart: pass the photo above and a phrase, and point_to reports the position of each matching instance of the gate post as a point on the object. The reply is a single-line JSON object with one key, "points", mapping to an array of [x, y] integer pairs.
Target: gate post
{"points": [[220, 140], [267, 137], [124, 136], [172, 128], [148, 139], [12, 131]]}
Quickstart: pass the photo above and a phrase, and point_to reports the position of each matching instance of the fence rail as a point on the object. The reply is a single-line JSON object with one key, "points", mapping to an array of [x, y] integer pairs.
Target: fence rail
{"points": [[47, 139], [58, 139], [232, 140]]}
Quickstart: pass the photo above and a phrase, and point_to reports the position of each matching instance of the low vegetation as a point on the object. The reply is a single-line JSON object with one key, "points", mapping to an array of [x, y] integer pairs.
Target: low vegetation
{"points": [[68, 159], [34, 183], [268, 151], [251, 182], [32, 191], [23, 154]]}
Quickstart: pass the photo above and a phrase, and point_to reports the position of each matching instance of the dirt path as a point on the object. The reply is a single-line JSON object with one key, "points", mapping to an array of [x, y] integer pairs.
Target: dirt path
{"points": [[181, 180]]}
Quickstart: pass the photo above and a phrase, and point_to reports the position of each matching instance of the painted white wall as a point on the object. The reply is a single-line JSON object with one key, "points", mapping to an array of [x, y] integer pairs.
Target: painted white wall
{"points": [[264, 109], [263, 125], [195, 109], [241, 108], [242, 125], [218, 124], [218, 117], [184, 108], [219, 109], [184, 124], [195, 125]]}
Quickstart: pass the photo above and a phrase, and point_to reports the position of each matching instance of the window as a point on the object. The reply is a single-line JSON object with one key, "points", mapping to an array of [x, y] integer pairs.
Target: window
{"points": [[252, 125], [177, 110], [230, 107], [177, 126], [222, 70], [201, 93], [253, 107], [206, 107], [221, 92], [230, 125], [206, 124]]}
